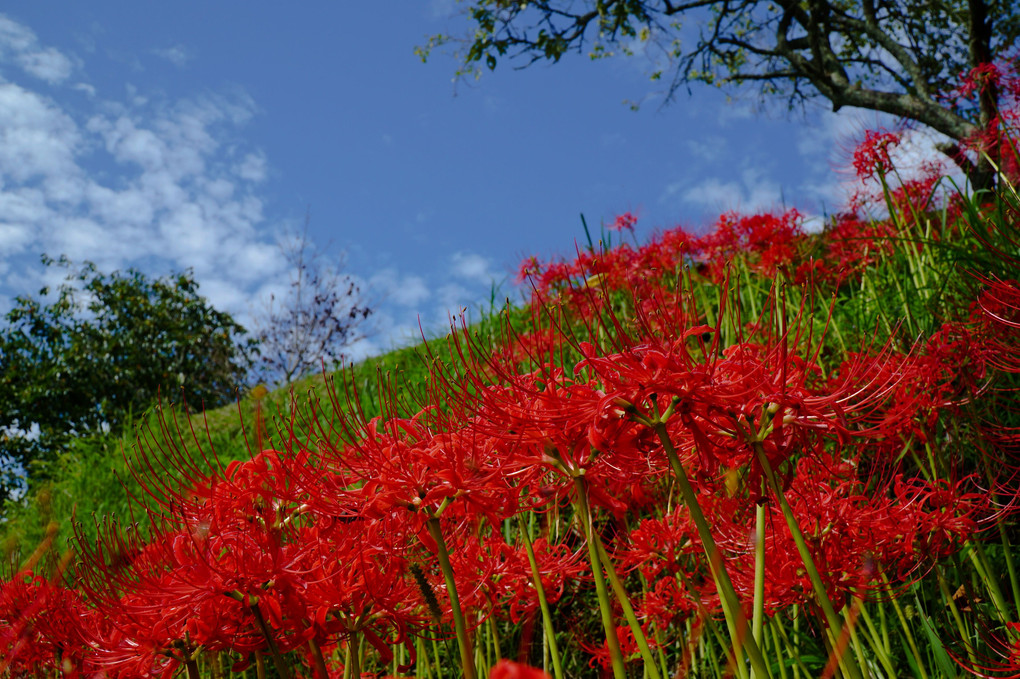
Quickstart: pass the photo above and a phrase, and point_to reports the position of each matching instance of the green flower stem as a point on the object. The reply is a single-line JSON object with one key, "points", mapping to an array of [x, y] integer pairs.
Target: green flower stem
{"points": [[547, 623], [832, 619], [1007, 548], [260, 666], [730, 649], [216, 666], [423, 659], [878, 643], [605, 608], [628, 612], [435, 659], [777, 647], [798, 665], [658, 648], [886, 643], [849, 620], [908, 635], [980, 561], [735, 621], [758, 606], [494, 629], [961, 628], [746, 270], [463, 640]]}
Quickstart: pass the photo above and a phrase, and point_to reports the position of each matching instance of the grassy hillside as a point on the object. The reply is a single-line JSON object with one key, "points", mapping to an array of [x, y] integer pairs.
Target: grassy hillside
{"points": [[93, 478]]}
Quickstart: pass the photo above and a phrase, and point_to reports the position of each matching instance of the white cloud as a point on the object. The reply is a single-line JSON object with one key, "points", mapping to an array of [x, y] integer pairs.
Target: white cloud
{"points": [[452, 298], [38, 139], [15, 37], [253, 167], [404, 290], [85, 88], [441, 9], [182, 194], [48, 64], [19, 44], [737, 111], [472, 267], [13, 238], [708, 148], [178, 55], [752, 193]]}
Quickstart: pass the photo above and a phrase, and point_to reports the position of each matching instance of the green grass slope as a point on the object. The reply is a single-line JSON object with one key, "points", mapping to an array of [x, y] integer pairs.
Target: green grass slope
{"points": [[96, 477]]}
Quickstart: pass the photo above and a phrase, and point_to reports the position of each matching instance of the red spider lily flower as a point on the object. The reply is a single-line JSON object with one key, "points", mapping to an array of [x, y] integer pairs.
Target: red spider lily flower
{"points": [[359, 585], [600, 655], [40, 628], [663, 546], [769, 243], [543, 421], [668, 604], [851, 245], [998, 83], [405, 466], [916, 195], [979, 78], [997, 316], [508, 669], [945, 373], [494, 576], [624, 222], [237, 529], [1003, 657], [530, 268], [669, 556], [247, 534], [222, 571], [153, 606], [871, 156], [723, 406], [855, 532]]}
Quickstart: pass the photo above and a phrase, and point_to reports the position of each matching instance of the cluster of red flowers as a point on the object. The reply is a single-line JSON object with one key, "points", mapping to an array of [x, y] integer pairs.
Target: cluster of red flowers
{"points": [[871, 156], [301, 552], [997, 138], [376, 533], [767, 244]]}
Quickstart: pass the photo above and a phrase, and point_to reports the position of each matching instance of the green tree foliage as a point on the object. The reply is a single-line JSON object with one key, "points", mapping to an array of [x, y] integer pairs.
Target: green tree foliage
{"points": [[108, 346], [901, 57]]}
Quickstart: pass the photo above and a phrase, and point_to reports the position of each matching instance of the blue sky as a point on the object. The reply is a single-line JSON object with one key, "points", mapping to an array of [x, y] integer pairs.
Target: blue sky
{"points": [[166, 136]]}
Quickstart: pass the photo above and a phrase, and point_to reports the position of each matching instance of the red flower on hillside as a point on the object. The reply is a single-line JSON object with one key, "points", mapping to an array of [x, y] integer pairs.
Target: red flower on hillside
{"points": [[40, 628], [624, 222], [871, 156]]}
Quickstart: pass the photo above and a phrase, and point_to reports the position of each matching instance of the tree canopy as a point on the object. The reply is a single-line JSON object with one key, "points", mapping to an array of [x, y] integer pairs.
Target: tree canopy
{"points": [[900, 57], [108, 346]]}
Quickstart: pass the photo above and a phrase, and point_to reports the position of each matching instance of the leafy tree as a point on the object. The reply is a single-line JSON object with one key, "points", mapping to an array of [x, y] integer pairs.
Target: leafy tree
{"points": [[108, 346], [316, 320], [902, 57]]}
